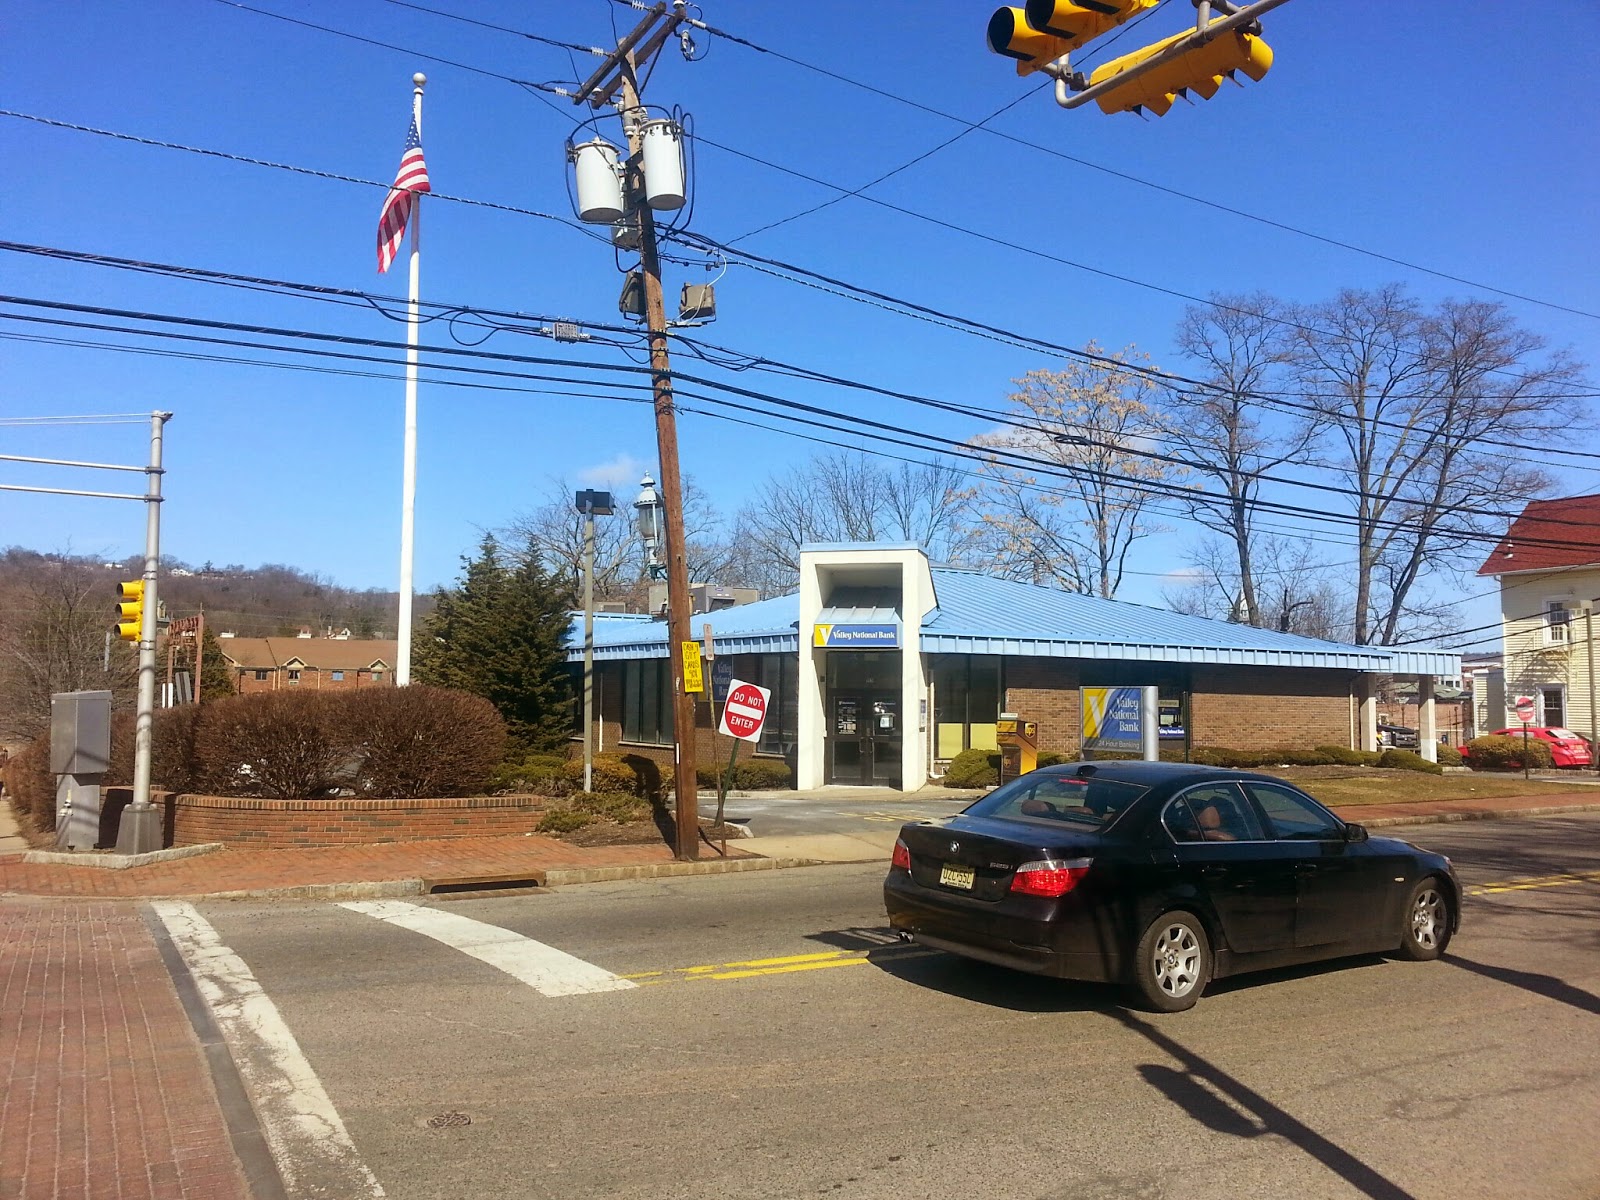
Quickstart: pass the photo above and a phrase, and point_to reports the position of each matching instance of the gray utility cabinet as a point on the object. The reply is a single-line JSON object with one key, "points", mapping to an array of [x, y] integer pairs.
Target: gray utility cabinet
{"points": [[80, 753]]}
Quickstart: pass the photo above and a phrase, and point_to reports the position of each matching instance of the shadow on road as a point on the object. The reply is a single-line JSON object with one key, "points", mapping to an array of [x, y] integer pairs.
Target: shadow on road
{"points": [[1219, 1101], [1543, 985]]}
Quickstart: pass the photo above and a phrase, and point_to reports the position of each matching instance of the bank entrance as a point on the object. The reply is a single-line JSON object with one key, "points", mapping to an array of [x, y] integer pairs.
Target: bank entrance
{"points": [[865, 726]]}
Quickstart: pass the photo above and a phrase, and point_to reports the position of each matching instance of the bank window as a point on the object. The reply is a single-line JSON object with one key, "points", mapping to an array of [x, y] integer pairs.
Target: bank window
{"points": [[780, 673], [647, 701], [966, 703]]}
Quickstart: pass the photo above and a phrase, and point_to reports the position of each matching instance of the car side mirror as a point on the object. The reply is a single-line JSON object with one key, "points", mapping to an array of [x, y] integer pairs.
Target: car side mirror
{"points": [[1355, 833]]}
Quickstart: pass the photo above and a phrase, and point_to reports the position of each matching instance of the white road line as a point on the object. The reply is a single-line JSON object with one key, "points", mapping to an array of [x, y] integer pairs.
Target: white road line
{"points": [[547, 970], [313, 1150]]}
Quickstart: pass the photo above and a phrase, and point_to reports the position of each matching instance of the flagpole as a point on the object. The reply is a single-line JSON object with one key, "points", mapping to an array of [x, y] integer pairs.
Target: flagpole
{"points": [[408, 487]]}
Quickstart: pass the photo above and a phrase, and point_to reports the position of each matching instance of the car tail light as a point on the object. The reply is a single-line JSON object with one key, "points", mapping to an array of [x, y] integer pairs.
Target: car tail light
{"points": [[902, 855], [1048, 877]]}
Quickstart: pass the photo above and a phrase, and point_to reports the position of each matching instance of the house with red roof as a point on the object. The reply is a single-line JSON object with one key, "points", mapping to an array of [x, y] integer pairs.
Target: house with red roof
{"points": [[1548, 564]]}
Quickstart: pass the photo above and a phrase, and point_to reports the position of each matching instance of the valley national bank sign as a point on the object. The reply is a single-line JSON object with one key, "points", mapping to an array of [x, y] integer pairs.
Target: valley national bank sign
{"points": [[856, 637]]}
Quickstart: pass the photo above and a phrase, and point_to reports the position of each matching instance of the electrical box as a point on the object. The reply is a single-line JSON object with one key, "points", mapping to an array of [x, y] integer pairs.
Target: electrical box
{"points": [[80, 733], [1019, 746], [698, 302]]}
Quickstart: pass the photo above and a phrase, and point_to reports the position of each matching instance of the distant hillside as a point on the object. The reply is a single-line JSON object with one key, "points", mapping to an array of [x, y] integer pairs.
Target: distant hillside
{"points": [[273, 600]]}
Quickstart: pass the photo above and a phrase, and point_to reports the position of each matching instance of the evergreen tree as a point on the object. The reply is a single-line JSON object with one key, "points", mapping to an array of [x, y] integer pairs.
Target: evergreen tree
{"points": [[501, 634], [216, 677]]}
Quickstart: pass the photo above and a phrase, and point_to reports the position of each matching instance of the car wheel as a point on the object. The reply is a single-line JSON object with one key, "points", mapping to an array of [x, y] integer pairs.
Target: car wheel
{"points": [[1173, 963], [1426, 931]]}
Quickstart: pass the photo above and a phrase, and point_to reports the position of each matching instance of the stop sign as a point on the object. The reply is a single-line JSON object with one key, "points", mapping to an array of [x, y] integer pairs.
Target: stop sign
{"points": [[1524, 706], [745, 710]]}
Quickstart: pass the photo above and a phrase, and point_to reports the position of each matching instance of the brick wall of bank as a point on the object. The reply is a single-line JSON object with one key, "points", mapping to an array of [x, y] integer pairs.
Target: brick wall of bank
{"points": [[279, 824], [1242, 708]]}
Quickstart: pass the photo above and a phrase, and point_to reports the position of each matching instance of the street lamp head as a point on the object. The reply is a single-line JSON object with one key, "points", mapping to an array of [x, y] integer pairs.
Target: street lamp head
{"points": [[648, 508], [593, 504]]}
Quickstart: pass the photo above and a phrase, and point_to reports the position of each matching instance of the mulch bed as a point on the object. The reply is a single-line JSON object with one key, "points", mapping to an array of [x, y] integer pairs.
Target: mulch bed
{"points": [[642, 833]]}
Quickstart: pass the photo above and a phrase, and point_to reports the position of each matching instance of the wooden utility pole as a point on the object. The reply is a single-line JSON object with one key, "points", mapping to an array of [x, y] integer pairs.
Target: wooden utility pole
{"points": [[632, 51]]}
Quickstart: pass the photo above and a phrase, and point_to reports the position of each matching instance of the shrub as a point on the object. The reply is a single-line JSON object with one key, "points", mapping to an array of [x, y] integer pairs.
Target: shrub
{"points": [[270, 744], [1053, 758], [613, 806], [30, 785], [419, 741], [1449, 756], [755, 775], [972, 769], [540, 774], [647, 771], [1408, 760], [1501, 752], [1347, 757], [174, 762], [563, 820], [608, 773]]}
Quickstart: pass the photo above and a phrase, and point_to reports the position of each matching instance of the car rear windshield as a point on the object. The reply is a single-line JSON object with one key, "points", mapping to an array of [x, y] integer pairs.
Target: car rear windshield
{"points": [[1088, 803], [1564, 735]]}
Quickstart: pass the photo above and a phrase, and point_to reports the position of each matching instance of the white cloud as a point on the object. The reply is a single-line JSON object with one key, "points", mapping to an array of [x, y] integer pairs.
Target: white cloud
{"points": [[622, 472]]}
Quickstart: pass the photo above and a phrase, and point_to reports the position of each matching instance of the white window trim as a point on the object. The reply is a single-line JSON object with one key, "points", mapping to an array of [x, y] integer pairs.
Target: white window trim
{"points": [[1550, 627]]}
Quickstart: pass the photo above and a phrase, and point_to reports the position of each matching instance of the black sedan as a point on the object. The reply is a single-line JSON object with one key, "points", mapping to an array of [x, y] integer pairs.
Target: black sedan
{"points": [[1163, 876]]}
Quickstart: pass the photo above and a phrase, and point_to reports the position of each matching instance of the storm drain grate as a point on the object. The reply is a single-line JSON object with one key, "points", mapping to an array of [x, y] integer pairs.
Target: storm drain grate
{"points": [[449, 1120]]}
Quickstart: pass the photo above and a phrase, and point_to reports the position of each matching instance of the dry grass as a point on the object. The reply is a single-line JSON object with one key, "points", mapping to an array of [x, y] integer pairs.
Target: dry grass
{"points": [[1335, 786]]}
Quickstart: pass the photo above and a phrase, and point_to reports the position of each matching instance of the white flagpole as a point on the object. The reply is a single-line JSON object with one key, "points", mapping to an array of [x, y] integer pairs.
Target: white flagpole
{"points": [[408, 487]]}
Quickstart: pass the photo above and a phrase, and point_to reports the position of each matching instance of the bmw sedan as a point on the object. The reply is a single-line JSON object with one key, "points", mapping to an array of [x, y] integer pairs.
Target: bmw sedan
{"points": [[1162, 877]]}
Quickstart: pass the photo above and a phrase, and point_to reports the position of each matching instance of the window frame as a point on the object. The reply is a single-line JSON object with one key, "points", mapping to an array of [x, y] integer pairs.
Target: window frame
{"points": [[1557, 622]]}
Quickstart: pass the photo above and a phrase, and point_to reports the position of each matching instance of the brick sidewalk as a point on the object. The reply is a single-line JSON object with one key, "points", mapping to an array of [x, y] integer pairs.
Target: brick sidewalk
{"points": [[106, 1092]]}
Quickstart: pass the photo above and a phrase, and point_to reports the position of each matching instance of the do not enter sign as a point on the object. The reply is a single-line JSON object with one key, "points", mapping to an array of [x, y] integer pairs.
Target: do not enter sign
{"points": [[745, 710], [1524, 707]]}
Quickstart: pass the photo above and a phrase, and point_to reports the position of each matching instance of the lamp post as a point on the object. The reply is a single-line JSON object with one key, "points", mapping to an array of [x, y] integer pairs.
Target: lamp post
{"points": [[591, 504], [650, 513]]}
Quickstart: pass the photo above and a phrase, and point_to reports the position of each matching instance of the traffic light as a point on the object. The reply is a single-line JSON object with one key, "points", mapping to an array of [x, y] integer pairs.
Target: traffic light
{"points": [[1046, 29], [1201, 69], [130, 610]]}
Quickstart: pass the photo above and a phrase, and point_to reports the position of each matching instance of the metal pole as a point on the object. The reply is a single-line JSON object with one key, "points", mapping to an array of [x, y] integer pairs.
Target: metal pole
{"points": [[408, 485], [140, 830], [588, 647], [1588, 637], [685, 781]]}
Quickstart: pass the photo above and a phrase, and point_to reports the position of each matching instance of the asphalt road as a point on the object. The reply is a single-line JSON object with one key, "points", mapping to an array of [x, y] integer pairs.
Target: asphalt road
{"points": [[775, 1043]]}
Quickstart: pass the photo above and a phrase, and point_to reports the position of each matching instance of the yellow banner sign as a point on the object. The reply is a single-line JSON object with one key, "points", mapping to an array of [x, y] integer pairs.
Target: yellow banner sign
{"points": [[694, 679]]}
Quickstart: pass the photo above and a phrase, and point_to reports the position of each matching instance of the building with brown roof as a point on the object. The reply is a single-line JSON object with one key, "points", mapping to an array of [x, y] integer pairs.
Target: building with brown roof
{"points": [[267, 664]]}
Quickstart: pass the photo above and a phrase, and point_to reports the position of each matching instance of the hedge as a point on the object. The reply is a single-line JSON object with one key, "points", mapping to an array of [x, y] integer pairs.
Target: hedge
{"points": [[753, 775], [972, 769], [1409, 760], [1506, 752]]}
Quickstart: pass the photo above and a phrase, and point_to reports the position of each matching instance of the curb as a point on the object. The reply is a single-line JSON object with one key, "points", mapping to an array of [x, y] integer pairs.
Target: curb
{"points": [[717, 866], [115, 862], [384, 889]]}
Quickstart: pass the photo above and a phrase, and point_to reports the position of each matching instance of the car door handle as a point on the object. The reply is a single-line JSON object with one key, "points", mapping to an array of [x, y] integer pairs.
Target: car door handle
{"points": [[1213, 872], [1304, 869]]}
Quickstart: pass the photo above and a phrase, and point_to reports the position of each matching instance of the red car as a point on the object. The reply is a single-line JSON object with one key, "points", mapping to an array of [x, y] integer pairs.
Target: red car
{"points": [[1567, 749]]}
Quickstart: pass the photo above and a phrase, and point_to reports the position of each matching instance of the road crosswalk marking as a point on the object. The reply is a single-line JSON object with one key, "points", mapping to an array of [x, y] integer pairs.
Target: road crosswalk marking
{"points": [[548, 971]]}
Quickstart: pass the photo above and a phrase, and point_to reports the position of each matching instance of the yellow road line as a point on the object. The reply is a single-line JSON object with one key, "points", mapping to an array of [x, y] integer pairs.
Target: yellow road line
{"points": [[788, 964], [1537, 881]]}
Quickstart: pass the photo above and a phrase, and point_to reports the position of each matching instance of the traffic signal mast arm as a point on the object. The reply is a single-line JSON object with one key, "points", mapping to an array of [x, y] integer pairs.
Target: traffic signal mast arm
{"points": [[1252, 56]]}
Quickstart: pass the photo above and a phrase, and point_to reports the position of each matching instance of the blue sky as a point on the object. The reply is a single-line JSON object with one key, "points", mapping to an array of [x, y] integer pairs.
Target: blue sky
{"points": [[1439, 136]]}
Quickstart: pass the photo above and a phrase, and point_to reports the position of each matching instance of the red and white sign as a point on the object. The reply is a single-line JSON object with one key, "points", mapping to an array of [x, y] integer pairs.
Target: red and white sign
{"points": [[745, 710], [1524, 707]]}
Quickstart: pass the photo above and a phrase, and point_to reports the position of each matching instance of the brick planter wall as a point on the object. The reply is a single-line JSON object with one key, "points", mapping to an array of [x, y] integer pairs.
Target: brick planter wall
{"points": [[279, 824]]}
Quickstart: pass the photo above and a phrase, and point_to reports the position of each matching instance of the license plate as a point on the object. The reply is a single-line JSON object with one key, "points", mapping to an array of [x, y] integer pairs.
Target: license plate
{"points": [[951, 875]]}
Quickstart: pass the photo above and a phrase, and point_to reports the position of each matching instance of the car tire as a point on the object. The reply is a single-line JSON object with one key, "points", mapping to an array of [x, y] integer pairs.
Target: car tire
{"points": [[1425, 921], [1172, 965]]}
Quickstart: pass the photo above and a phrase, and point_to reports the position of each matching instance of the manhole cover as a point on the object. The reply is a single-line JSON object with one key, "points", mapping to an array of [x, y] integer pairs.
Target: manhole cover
{"points": [[449, 1120]]}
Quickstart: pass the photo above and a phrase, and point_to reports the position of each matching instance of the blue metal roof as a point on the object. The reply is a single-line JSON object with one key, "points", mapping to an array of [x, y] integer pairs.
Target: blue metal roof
{"points": [[979, 614]]}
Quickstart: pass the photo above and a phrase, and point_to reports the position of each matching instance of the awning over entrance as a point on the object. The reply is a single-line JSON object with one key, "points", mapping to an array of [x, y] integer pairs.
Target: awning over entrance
{"points": [[851, 628]]}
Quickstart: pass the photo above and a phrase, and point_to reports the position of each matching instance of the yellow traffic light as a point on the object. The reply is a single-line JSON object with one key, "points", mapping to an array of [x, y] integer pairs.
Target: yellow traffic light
{"points": [[1046, 29], [1200, 70], [130, 610]]}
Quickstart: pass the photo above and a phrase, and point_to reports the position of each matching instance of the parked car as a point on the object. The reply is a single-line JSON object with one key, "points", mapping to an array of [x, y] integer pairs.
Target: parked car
{"points": [[1400, 737], [1162, 876], [1567, 749]]}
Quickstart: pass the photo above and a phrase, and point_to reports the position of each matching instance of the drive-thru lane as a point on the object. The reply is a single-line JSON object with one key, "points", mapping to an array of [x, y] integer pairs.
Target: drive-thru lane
{"points": [[775, 1042]]}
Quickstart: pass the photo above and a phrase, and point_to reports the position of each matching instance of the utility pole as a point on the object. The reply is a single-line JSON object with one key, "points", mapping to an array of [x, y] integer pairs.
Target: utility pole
{"points": [[140, 831], [638, 46]]}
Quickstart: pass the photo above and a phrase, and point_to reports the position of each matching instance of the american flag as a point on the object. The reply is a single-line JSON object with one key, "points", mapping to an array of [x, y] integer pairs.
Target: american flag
{"points": [[409, 181]]}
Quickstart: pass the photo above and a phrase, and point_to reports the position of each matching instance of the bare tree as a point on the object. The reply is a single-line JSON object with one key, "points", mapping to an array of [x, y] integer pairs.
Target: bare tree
{"points": [[53, 624], [848, 497], [1297, 593], [1411, 397], [1240, 342], [1071, 520]]}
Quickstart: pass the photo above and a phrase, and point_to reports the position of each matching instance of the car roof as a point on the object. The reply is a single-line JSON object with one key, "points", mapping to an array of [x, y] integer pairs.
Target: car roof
{"points": [[1148, 774]]}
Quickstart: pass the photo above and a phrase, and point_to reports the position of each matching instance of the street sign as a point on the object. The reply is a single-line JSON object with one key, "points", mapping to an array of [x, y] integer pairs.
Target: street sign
{"points": [[694, 679], [1524, 707], [745, 710], [721, 678]]}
